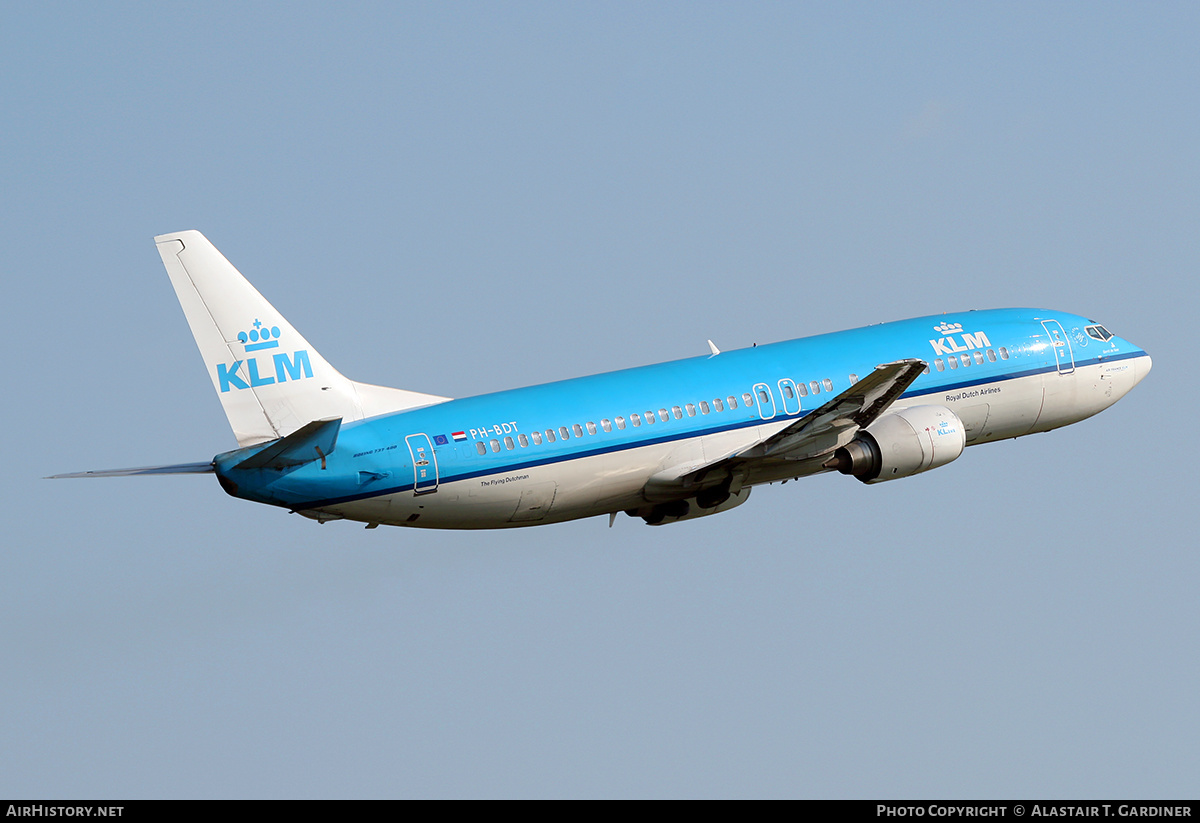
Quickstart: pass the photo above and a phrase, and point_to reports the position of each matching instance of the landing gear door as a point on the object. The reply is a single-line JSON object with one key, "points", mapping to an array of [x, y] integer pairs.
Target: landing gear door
{"points": [[425, 471], [1063, 355]]}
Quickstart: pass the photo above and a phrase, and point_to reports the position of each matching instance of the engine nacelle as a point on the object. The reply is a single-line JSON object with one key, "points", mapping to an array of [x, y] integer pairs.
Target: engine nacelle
{"points": [[662, 513], [902, 444]]}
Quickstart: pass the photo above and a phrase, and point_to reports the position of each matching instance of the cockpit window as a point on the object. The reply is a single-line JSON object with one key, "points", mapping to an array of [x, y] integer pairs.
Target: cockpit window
{"points": [[1100, 333]]}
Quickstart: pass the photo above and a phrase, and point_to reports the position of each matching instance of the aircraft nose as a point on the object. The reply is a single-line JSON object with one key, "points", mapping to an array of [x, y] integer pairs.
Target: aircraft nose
{"points": [[1141, 368]]}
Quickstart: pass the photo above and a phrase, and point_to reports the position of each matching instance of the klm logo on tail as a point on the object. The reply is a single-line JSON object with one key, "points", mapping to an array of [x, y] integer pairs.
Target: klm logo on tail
{"points": [[948, 345], [294, 366]]}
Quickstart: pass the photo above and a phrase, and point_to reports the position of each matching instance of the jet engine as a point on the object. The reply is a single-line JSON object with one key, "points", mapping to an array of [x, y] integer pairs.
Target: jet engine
{"points": [[902, 444]]}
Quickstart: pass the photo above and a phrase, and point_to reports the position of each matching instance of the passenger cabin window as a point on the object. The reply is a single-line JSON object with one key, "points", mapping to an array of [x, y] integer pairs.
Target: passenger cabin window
{"points": [[620, 421], [662, 415], [953, 361], [718, 405], [606, 424], [691, 410], [549, 435], [479, 447], [578, 429], [732, 402], [508, 443], [923, 371], [1003, 352], [563, 433], [495, 445], [991, 355], [815, 388], [635, 419], [591, 427], [828, 384], [854, 377], [940, 365], [523, 440], [537, 438], [803, 389], [747, 399], [978, 358], [704, 409], [966, 359], [678, 412]]}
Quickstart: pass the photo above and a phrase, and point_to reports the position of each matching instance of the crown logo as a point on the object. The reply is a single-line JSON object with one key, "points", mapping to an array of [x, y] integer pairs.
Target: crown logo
{"points": [[259, 337], [948, 328]]}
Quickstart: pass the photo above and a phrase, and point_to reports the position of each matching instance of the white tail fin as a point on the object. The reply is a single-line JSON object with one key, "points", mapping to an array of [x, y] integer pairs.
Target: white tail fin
{"points": [[270, 380]]}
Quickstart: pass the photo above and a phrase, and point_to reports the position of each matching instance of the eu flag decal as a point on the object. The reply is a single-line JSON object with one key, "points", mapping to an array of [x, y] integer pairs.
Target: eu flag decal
{"points": [[440, 440]]}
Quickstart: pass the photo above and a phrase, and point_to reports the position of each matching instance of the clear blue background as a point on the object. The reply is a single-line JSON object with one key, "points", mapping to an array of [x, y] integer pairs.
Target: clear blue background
{"points": [[459, 198]]}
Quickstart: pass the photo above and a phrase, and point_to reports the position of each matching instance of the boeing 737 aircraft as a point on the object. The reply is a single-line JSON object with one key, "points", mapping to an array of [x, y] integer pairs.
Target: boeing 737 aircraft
{"points": [[665, 443]]}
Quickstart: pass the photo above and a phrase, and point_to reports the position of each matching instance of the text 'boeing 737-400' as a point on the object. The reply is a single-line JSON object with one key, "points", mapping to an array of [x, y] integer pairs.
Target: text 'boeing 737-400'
{"points": [[665, 443]]}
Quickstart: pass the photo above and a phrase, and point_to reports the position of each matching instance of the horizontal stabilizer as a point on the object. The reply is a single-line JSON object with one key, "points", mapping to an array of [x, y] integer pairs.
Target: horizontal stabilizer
{"points": [[313, 441], [175, 468]]}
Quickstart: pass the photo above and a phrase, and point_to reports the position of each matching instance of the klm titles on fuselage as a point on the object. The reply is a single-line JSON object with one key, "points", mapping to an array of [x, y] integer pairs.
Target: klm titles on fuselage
{"points": [[948, 345], [294, 366]]}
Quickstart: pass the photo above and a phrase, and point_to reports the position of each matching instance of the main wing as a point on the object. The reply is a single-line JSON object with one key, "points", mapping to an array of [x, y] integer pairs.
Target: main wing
{"points": [[834, 424], [801, 447]]}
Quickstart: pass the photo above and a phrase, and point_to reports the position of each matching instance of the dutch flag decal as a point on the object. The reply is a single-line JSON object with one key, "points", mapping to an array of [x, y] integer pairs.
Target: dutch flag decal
{"points": [[458, 436]]}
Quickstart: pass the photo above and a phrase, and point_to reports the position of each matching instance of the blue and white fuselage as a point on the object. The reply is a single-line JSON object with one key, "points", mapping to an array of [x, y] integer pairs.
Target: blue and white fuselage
{"points": [[664, 442]]}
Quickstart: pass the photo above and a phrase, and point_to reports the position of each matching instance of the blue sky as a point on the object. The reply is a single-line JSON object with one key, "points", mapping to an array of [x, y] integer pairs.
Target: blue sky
{"points": [[463, 198]]}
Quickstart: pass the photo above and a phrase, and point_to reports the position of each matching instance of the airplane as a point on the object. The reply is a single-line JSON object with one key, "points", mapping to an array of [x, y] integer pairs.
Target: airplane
{"points": [[665, 443]]}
